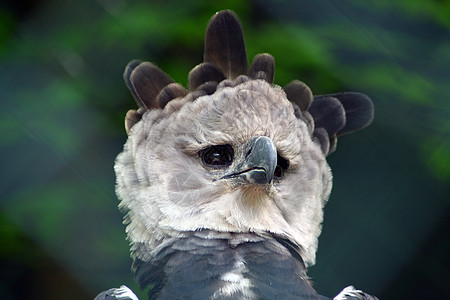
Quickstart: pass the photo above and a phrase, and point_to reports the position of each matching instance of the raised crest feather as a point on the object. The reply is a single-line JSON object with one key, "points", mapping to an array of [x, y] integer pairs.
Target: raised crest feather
{"points": [[299, 93], [224, 44], [202, 73], [359, 111], [328, 113], [147, 81], [263, 67]]}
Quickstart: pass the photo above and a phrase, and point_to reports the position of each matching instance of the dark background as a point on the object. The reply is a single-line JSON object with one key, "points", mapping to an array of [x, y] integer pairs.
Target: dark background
{"points": [[63, 102]]}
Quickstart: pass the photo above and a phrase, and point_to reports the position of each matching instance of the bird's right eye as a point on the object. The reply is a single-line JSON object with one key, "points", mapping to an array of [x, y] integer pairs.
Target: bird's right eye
{"points": [[219, 156]]}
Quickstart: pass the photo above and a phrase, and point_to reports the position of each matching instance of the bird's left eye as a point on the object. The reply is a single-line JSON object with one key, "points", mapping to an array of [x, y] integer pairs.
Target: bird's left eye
{"points": [[282, 166], [218, 156]]}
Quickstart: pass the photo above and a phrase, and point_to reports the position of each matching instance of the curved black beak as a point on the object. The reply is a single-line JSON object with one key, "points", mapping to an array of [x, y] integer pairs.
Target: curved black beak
{"points": [[258, 163]]}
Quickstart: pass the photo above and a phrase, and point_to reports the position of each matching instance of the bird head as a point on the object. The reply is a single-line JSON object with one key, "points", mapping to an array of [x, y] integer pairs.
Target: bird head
{"points": [[233, 153]]}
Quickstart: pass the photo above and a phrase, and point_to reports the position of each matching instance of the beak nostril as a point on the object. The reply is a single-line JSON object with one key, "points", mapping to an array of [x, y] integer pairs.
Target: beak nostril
{"points": [[248, 152]]}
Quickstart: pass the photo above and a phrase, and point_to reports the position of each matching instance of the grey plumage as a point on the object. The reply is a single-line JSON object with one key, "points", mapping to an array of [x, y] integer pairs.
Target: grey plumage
{"points": [[223, 186]]}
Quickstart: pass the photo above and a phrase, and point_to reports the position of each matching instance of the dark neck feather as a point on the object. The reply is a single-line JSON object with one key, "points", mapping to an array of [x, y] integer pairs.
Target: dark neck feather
{"points": [[198, 265]]}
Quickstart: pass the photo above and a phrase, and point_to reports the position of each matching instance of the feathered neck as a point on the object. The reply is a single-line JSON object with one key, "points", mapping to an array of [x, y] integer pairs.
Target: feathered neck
{"points": [[224, 265]]}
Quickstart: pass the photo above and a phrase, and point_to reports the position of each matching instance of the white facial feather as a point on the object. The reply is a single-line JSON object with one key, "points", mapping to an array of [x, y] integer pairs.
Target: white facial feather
{"points": [[166, 190]]}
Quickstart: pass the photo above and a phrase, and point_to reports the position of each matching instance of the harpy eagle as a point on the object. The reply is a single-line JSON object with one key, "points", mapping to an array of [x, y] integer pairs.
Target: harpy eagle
{"points": [[223, 185]]}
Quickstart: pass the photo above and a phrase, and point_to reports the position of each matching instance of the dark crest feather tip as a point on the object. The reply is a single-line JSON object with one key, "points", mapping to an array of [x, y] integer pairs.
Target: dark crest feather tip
{"points": [[322, 137], [333, 145], [263, 65], [359, 111], [170, 92], [131, 118], [328, 113], [209, 87], [299, 93], [192, 96], [148, 80], [202, 73], [126, 77], [224, 44]]}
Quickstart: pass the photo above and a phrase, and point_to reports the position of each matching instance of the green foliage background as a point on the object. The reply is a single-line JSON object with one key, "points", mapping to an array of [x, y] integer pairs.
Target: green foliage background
{"points": [[63, 101]]}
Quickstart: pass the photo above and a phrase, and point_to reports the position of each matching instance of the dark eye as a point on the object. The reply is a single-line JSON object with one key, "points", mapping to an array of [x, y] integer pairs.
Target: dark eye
{"points": [[218, 156], [282, 165]]}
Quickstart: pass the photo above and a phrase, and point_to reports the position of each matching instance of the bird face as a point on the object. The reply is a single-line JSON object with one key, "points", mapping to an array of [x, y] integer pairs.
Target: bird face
{"points": [[238, 160]]}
